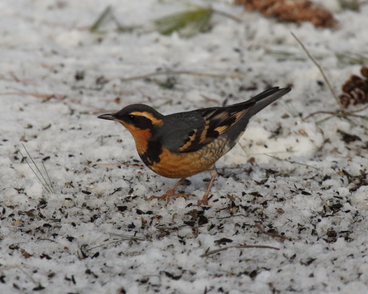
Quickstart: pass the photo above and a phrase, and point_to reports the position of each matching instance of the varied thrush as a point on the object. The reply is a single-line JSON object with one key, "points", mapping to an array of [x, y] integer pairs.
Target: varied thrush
{"points": [[183, 144]]}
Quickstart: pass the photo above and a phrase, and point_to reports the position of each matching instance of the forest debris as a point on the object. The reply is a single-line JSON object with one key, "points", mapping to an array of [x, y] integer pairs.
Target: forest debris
{"points": [[355, 90], [293, 11]]}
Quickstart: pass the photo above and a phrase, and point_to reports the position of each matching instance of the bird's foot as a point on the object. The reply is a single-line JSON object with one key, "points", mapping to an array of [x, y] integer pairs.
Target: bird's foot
{"points": [[167, 196], [170, 193], [204, 201]]}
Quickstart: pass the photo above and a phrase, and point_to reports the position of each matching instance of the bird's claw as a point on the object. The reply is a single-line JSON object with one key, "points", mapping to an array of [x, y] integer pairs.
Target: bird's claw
{"points": [[167, 196]]}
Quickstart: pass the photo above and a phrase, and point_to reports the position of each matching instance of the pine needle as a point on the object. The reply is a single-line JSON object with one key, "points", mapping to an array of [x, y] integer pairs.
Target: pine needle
{"points": [[352, 58], [101, 19], [48, 178], [46, 183], [108, 16], [208, 253], [290, 161], [177, 72]]}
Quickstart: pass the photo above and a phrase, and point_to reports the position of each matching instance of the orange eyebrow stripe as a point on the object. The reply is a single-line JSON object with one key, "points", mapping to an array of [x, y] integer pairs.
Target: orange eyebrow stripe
{"points": [[155, 121]]}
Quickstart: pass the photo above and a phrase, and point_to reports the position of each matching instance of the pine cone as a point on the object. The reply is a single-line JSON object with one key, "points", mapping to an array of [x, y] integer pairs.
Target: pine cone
{"points": [[294, 11], [355, 90]]}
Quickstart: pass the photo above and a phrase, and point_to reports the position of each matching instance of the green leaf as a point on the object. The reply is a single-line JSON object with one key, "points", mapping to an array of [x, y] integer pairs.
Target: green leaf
{"points": [[187, 23], [101, 19]]}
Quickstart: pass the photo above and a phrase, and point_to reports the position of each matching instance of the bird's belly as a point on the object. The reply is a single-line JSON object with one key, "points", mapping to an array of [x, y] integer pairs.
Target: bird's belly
{"points": [[182, 165]]}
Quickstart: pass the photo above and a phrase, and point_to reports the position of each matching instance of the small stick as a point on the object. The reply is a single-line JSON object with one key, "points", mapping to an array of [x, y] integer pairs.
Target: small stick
{"points": [[240, 247], [320, 69], [228, 15], [173, 72], [271, 234]]}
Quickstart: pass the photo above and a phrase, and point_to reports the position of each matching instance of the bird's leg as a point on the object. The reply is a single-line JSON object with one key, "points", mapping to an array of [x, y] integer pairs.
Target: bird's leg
{"points": [[170, 193], [204, 200]]}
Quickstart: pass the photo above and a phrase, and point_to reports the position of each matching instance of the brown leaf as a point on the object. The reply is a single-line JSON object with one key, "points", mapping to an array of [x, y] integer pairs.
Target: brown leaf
{"points": [[294, 11]]}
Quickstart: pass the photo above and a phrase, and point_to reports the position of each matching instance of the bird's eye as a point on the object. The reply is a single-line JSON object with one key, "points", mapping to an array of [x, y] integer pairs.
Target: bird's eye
{"points": [[131, 117]]}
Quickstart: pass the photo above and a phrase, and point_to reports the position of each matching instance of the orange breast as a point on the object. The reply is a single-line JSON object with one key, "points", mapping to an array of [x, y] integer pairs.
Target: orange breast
{"points": [[187, 164]]}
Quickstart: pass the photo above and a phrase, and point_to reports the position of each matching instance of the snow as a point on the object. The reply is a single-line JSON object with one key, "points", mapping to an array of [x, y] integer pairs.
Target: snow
{"points": [[96, 233]]}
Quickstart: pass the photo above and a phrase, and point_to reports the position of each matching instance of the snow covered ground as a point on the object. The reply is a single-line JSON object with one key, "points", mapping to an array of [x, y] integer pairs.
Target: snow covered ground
{"points": [[303, 179]]}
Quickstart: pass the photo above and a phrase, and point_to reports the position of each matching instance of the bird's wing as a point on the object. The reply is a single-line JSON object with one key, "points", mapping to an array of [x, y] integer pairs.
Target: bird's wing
{"points": [[191, 131]]}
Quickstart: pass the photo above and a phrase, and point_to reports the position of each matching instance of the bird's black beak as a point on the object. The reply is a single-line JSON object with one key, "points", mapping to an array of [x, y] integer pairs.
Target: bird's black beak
{"points": [[109, 116]]}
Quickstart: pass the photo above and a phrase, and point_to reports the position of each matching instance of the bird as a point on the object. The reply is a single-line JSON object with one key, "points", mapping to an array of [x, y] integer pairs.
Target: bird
{"points": [[183, 144]]}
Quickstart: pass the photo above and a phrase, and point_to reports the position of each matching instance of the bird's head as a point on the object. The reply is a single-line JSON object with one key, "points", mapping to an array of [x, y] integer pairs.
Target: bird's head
{"points": [[140, 120]]}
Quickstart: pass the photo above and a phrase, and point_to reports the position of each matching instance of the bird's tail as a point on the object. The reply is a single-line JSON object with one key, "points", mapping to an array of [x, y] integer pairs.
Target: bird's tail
{"points": [[255, 105], [265, 98]]}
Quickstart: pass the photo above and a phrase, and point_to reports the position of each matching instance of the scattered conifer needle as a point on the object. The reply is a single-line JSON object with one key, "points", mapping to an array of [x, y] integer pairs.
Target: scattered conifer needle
{"points": [[108, 16], [46, 183], [352, 58], [103, 16], [48, 178], [173, 72], [119, 238], [273, 235], [208, 253], [290, 161]]}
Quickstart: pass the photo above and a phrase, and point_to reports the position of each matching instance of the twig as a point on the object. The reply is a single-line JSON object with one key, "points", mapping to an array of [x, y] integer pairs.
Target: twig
{"points": [[342, 114], [238, 246], [121, 238], [320, 112], [320, 69], [228, 15], [264, 198], [46, 97], [125, 164], [290, 161], [28, 275], [274, 235], [173, 72]]}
